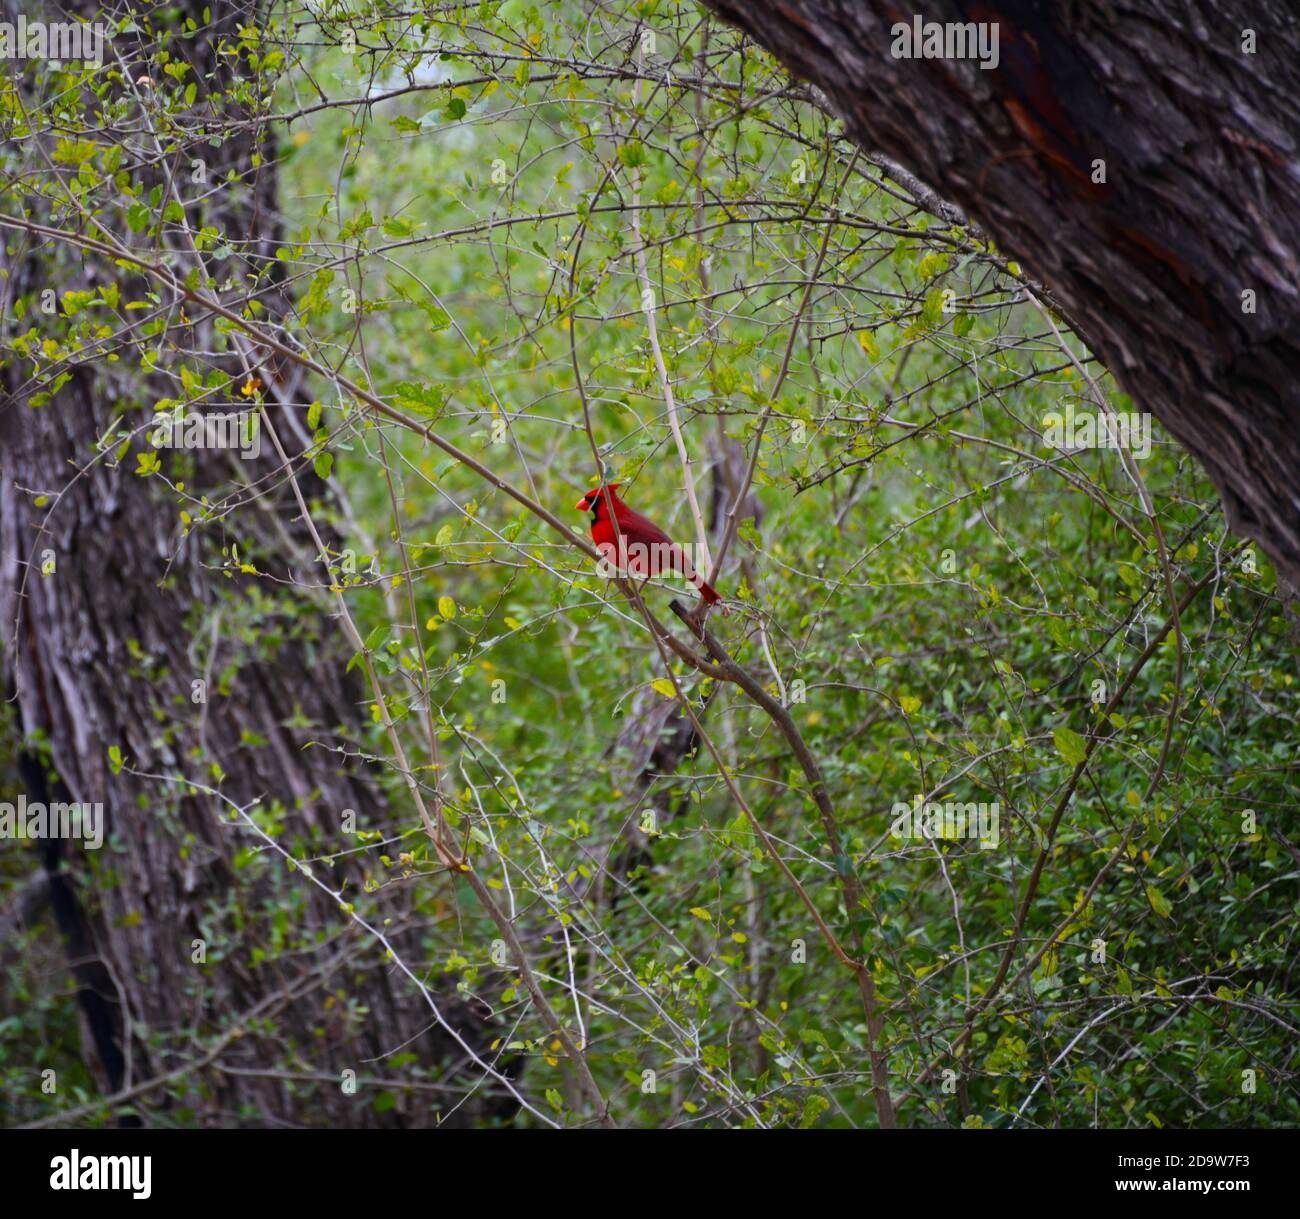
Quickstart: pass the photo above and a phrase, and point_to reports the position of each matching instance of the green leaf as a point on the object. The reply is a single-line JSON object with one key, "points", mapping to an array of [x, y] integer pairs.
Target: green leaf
{"points": [[631, 154], [428, 399], [74, 152], [317, 298], [1130, 575], [1159, 903], [1070, 745], [932, 310], [813, 1108]]}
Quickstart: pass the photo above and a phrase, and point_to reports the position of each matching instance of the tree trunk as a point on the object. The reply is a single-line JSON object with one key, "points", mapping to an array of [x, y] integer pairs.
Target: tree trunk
{"points": [[1197, 127], [110, 612]]}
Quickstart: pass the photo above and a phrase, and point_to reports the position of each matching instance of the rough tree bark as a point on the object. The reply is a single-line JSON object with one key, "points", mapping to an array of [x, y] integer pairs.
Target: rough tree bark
{"points": [[1199, 137], [108, 615]]}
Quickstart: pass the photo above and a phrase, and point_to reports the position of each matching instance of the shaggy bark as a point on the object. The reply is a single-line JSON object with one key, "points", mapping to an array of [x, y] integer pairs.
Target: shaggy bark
{"points": [[109, 612], [1199, 204]]}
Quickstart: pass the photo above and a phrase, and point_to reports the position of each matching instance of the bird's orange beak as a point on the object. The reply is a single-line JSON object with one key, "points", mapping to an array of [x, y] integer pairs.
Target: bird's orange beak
{"points": [[581, 505]]}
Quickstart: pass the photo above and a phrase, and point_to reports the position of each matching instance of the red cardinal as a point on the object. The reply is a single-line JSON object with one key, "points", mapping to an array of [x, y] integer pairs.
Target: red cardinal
{"points": [[648, 550]]}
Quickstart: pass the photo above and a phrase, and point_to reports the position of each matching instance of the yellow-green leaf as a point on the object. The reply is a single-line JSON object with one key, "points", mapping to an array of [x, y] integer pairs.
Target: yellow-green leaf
{"points": [[1159, 902], [1070, 745]]}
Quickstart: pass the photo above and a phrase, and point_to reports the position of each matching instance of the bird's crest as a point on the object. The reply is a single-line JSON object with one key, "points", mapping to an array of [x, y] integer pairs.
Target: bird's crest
{"points": [[596, 493]]}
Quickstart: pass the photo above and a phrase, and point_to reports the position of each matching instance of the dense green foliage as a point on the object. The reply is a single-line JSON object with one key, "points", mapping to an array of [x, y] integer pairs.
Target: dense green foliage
{"points": [[949, 607]]}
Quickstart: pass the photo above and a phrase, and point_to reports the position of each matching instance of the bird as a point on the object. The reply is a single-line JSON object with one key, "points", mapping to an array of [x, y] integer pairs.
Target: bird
{"points": [[645, 549]]}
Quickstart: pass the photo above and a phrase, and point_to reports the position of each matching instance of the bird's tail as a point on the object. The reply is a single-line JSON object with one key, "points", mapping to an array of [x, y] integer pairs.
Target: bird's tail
{"points": [[685, 567], [707, 591]]}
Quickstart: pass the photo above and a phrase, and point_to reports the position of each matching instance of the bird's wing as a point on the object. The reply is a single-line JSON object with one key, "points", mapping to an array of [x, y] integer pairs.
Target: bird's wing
{"points": [[666, 554], [640, 528]]}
